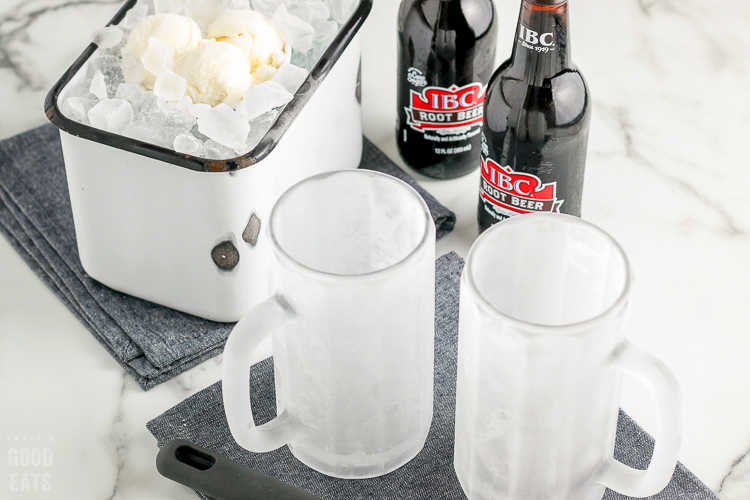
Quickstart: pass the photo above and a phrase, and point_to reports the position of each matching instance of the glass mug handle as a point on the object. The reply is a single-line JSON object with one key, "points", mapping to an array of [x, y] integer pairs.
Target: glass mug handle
{"points": [[238, 353], [663, 386]]}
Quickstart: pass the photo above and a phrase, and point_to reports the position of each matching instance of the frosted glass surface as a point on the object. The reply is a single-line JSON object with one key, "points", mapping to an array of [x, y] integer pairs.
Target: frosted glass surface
{"points": [[549, 273], [355, 365], [349, 224], [536, 407]]}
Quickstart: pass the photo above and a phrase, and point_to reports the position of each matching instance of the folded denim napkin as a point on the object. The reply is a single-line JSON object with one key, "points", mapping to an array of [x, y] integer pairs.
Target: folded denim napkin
{"points": [[430, 475], [153, 343]]}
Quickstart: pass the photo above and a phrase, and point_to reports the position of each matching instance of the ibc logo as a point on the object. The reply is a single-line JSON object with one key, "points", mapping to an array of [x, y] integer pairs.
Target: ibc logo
{"points": [[438, 108], [449, 102], [533, 40], [29, 463]]}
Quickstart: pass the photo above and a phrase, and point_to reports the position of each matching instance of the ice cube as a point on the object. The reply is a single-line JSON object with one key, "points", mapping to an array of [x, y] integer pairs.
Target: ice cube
{"points": [[266, 7], [77, 108], [131, 93], [290, 77], [196, 133], [83, 89], [161, 7], [132, 69], [310, 11], [147, 106], [325, 32], [169, 6], [158, 56], [187, 144], [198, 109], [111, 115], [152, 133], [133, 16], [204, 12], [140, 130], [108, 37], [98, 86], [342, 10], [238, 4], [258, 128], [170, 85], [106, 64], [171, 114], [179, 116], [304, 60], [215, 151], [110, 68], [263, 97], [185, 103], [297, 32], [225, 126]]}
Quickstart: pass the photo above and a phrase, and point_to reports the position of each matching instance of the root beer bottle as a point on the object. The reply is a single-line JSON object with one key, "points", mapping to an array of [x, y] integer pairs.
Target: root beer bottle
{"points": [[536, 122], [446, 56]]}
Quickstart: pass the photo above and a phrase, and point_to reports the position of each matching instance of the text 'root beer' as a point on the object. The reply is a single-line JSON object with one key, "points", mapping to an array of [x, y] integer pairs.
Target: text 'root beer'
{"points": [[446, 56], [536, 122]]}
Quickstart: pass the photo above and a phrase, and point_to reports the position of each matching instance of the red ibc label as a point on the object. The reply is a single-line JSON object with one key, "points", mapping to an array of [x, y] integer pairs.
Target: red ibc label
{"points": [[437, 108], [517, 191]]}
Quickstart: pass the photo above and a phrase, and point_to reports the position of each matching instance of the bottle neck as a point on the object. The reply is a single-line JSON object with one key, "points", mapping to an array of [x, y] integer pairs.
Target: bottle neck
{"points": [[542, 45], [445, 47], [449, 12], [444, 11]]}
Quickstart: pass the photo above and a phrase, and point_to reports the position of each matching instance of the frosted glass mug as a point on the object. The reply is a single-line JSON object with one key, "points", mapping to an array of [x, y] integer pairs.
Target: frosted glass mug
{"points": [[352, 322], [541, 352]]}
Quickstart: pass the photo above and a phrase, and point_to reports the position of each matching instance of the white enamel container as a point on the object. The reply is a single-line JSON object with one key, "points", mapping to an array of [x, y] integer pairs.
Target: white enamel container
{"points": [[148, 220]]}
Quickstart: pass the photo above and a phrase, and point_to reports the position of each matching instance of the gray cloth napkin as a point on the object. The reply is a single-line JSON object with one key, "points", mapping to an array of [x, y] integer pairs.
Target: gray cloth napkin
{"points": [[153, 343], [430, 475]]}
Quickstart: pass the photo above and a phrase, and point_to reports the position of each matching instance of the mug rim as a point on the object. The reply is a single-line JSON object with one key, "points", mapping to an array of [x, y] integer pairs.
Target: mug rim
{"points": [[428, 229], [582, 326]]}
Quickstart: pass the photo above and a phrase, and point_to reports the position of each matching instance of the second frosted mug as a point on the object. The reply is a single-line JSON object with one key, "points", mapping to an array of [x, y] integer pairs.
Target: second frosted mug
{"points": [[541, 352]]}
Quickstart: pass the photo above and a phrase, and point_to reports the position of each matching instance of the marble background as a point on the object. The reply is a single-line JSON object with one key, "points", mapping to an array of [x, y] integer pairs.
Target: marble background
{"points": [[667, 175]]}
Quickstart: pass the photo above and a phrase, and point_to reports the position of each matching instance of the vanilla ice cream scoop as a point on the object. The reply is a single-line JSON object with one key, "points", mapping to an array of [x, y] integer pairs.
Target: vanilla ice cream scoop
{"points": [[215, 72], [258, 38], [180, 33]]}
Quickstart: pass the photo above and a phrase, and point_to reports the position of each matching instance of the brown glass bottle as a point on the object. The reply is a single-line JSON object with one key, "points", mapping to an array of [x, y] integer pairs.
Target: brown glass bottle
{"points": [[446, 56], [536, 122]]}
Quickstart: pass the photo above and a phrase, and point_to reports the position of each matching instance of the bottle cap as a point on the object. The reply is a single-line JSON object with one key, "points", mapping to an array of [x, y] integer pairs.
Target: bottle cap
{"points": [[547, 2]]}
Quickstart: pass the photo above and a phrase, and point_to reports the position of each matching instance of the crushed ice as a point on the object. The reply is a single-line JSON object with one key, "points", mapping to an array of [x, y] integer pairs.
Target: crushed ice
{"points": [[290, 77], [262, 98], [108, 37], [225, 126], [98, 86], [297, 32], [170, 85], [158, 56], [145, 100], [111, 115]]}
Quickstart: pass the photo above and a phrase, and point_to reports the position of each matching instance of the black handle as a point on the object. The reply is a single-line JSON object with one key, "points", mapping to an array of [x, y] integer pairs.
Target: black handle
{"points": [[220, 477]]}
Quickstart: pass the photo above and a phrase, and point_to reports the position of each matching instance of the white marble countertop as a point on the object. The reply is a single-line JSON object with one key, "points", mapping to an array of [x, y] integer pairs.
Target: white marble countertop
{"points": [[665, 176]]}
